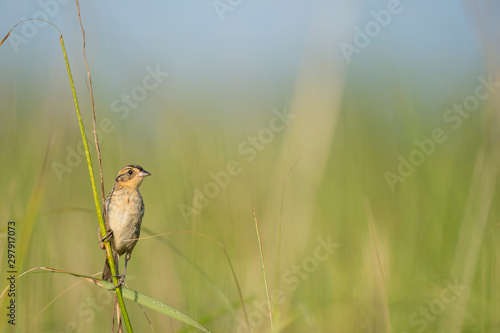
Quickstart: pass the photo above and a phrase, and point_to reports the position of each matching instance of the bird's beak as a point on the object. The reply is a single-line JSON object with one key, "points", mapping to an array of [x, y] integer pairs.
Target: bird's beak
{"points": [[143, 174]]}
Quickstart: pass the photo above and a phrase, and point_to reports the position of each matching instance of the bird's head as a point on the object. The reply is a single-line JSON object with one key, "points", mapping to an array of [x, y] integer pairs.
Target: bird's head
{"points": [[131, 176]]}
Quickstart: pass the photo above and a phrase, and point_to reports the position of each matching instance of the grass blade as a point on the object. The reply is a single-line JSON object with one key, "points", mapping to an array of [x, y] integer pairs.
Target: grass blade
{"points": [[263, 269], [102, 226], [91, 171], [139, 298]]}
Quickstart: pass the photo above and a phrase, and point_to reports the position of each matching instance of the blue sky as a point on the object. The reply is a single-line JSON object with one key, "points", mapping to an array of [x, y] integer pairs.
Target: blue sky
{"points": [[254, 48]]}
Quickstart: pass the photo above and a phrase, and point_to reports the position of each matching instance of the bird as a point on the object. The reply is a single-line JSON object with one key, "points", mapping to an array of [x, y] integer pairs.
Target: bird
{"points": [[124, 208]]}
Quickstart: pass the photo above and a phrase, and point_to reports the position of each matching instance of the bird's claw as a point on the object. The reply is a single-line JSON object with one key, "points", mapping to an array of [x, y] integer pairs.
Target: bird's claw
{"points": [[108, 236], [121, 282], [105, 238]]}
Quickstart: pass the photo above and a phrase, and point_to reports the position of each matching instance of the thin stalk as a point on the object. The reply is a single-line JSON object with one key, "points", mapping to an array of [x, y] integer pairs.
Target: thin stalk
{"points": [[102, 226], [223, 248], [278, 240], [263, 269], [92, 104]]}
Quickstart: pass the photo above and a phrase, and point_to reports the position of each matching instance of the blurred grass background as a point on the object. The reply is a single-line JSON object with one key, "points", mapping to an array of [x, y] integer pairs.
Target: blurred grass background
{"points": [[396, 251]]}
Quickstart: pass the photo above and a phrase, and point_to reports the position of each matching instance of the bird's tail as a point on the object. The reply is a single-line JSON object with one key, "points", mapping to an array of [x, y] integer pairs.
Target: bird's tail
{"points": [[106, 272]]}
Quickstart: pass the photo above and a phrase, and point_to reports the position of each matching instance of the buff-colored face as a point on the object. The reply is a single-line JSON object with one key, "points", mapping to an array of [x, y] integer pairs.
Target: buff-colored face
{"points": [[131, 176]]}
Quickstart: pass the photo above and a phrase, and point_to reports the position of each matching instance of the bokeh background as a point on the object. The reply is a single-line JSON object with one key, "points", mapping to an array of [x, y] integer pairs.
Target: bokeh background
{"points": [[361, 132]]}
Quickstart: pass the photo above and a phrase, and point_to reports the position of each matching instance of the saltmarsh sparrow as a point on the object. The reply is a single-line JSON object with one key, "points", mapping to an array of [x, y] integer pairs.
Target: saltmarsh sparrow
{"points": [[124, 210]]}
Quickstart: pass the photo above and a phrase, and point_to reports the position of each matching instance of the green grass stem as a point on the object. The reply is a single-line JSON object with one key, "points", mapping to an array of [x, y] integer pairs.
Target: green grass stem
{"points": [[102, 226]]}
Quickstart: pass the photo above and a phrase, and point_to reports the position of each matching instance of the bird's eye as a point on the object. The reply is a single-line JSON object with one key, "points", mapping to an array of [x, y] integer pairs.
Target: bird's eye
{"points": [[130, 172]]}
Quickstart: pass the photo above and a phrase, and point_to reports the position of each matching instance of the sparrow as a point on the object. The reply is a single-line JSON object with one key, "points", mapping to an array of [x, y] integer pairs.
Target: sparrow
{"points": [[124, 208]]}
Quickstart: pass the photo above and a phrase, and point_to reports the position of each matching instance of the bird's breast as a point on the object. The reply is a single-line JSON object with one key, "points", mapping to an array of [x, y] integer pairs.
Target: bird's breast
{"points": [[125, 211]]}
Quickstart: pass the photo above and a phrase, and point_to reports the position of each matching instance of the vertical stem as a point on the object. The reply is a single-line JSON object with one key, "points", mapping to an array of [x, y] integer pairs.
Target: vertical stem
{"points": [[96, 197], [92, 104], [263, 269]]}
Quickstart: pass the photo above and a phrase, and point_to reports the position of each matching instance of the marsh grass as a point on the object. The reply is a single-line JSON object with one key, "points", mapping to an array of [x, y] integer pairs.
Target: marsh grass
{"points": [[395, 253], [25, 239], [418, 231]]}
